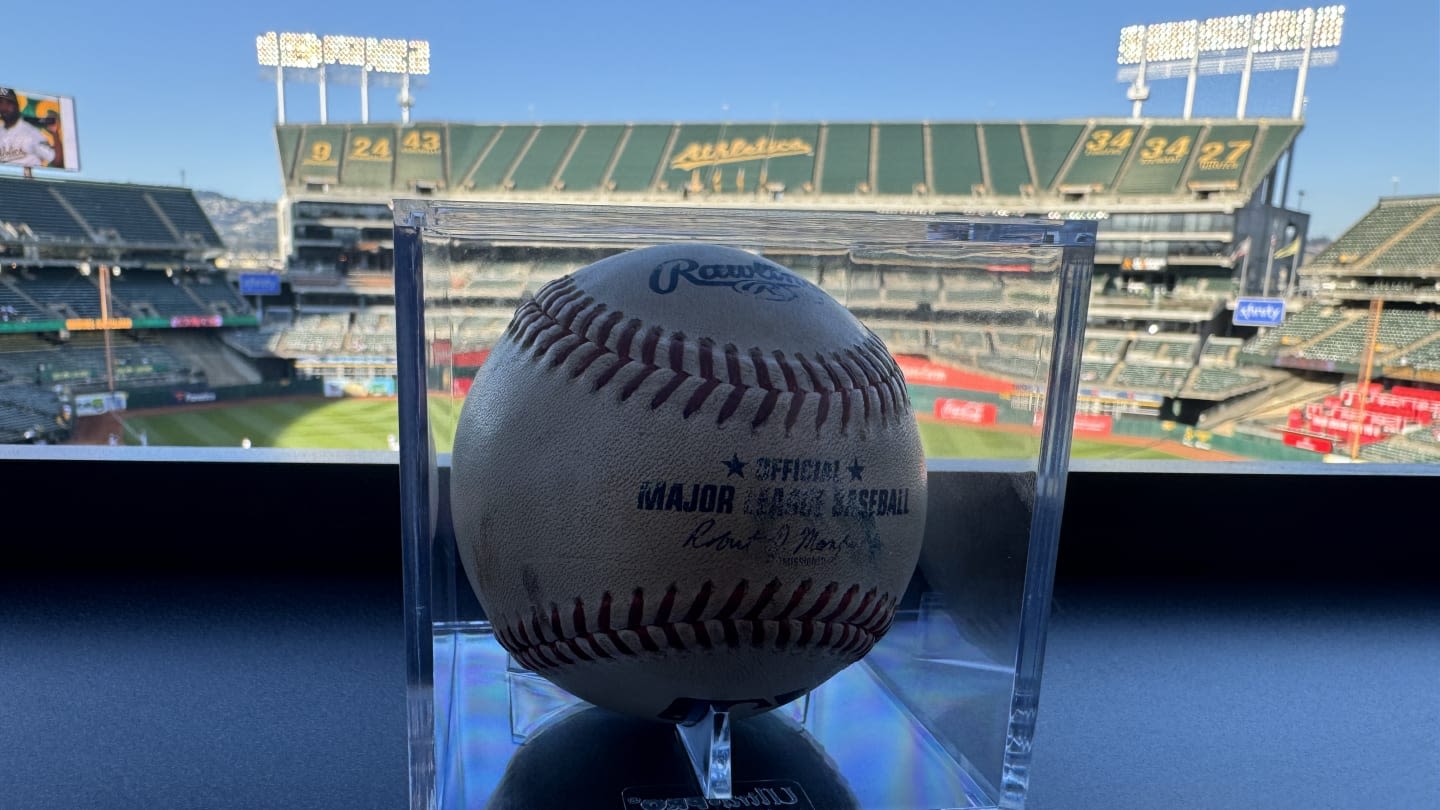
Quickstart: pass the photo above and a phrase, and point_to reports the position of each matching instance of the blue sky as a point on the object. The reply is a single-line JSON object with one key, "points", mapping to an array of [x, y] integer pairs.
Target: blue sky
{"points": [[166, 87]]}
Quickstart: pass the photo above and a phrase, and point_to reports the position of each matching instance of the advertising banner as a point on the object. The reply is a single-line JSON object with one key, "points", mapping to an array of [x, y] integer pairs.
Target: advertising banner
{"points": [[921, 371], [1259, 312], [1304, 442], [259, 284], [965, 412], [96, 404]]}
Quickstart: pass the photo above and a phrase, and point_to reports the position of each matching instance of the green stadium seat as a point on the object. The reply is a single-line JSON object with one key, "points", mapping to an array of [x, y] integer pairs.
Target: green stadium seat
{"points": [[689, 140], [420, 157], [1297, 329], [1224, 152], [1095, 373], [900, 159], [540, 164], [795, 170], [955, 159], [369, 159], [1104, 347], [467, 144], [1051, 145], [1415, 251], [1104, 150], [321, 148], [1161, 161], [1022, 368], [122, 209], [1220, 352], [185, 213], [1222, 383], [1005, 152], [496, 162], [287, 138], [1275, 138], [68, 289], [1158, 379], [1384, 221], [640, 155], [845, 167], [1425, 357], [31, 203], [591, 157]]}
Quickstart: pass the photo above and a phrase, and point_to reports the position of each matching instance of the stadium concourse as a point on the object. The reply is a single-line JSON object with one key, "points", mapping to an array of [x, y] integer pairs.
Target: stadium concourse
{"points": [[1191, 217]]}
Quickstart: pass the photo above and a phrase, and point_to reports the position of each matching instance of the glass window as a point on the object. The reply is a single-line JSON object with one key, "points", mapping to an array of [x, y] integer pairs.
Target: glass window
{"points": [[288, 262]]}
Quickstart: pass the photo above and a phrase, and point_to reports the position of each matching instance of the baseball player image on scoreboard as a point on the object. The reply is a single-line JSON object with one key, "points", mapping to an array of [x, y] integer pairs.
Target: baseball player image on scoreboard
{"points": [[23, 143]]}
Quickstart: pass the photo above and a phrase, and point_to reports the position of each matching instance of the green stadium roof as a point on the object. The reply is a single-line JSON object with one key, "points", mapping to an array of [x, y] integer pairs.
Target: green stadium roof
{"points": [[930, 163]]}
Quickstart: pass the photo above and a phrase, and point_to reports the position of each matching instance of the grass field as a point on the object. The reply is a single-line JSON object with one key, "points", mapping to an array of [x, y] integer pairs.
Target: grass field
{"points": [[943, 440], [367, 424]]}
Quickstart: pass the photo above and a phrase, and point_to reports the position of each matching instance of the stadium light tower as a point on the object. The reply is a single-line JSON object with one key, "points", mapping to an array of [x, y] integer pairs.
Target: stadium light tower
{"points": [[313, 55], [1274, 40]]}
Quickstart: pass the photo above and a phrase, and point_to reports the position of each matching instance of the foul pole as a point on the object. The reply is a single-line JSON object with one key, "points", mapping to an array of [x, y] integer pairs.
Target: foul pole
{"points": [[1367, 367]]}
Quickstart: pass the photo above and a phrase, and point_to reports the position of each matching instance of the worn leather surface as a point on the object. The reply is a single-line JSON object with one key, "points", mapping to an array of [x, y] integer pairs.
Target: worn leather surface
{"points": [[687, 476]]}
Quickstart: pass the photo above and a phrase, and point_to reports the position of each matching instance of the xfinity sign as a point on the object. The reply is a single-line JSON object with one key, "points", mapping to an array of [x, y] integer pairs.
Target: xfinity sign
{"points": [[1259, 312]]}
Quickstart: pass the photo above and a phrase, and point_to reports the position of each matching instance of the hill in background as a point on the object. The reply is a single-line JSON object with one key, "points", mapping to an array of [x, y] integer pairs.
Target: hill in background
{"points": [[247, 228]]}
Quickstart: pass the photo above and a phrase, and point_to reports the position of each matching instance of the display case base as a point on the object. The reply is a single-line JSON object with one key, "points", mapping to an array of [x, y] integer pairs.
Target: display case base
{"points": [[507, 738]]}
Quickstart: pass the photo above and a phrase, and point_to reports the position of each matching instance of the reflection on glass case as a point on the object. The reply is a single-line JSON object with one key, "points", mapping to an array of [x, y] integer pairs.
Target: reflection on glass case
{"points": [[670, 534]]}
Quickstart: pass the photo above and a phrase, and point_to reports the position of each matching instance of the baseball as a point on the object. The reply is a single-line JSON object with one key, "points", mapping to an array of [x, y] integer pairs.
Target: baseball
{"points": [[687, 478]]}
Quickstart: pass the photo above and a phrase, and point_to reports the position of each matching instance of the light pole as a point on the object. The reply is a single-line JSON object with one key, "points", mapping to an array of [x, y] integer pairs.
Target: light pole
{"points": [[314, 55], [1244, 43]]}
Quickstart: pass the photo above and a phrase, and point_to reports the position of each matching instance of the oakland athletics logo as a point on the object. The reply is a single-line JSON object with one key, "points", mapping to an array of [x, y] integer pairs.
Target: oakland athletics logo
{"points": [[761, 279]]}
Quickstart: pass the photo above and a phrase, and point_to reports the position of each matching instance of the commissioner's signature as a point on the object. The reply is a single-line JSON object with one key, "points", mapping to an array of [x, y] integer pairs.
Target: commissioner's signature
{"points": [[704, 537], [784, 543]]}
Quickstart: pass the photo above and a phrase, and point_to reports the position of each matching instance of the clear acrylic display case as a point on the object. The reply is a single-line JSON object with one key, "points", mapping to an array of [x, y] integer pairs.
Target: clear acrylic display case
{"points": [[985, 318]]}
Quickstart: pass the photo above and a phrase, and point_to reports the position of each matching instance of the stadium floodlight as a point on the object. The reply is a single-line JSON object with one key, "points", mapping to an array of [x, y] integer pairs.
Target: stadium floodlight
{"points": [[386, 55], [300, 51], [1224, 33], [267, 49], [343, 50], [418, 60], [312, 52], [1274, 40]]}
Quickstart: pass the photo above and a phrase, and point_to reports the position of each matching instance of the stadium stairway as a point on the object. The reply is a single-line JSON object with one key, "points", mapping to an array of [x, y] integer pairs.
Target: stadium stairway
{"points": [[201, 350], [1266, 404]]}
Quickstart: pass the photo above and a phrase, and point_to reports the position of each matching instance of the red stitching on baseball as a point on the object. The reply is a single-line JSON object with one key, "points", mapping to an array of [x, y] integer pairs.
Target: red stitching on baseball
{"points": [[558, 320], [850, 636]]}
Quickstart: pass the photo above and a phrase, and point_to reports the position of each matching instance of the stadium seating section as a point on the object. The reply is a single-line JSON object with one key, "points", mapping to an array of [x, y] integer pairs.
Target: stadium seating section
{"points": [[40, 375], [1399, 236], [57, 211], [28, 412], [79, 363], [1398, 425], [977, 316], [155, 247], [48, 293], [1109, 157], [1337, 336]]}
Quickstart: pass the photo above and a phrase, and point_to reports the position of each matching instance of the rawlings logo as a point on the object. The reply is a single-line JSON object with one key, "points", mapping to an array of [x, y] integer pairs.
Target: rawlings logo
{"points": [[766, 281]]}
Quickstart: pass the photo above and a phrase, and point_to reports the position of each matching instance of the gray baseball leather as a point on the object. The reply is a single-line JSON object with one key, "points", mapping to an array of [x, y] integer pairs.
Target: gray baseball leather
{"points": [[687, 478]]}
